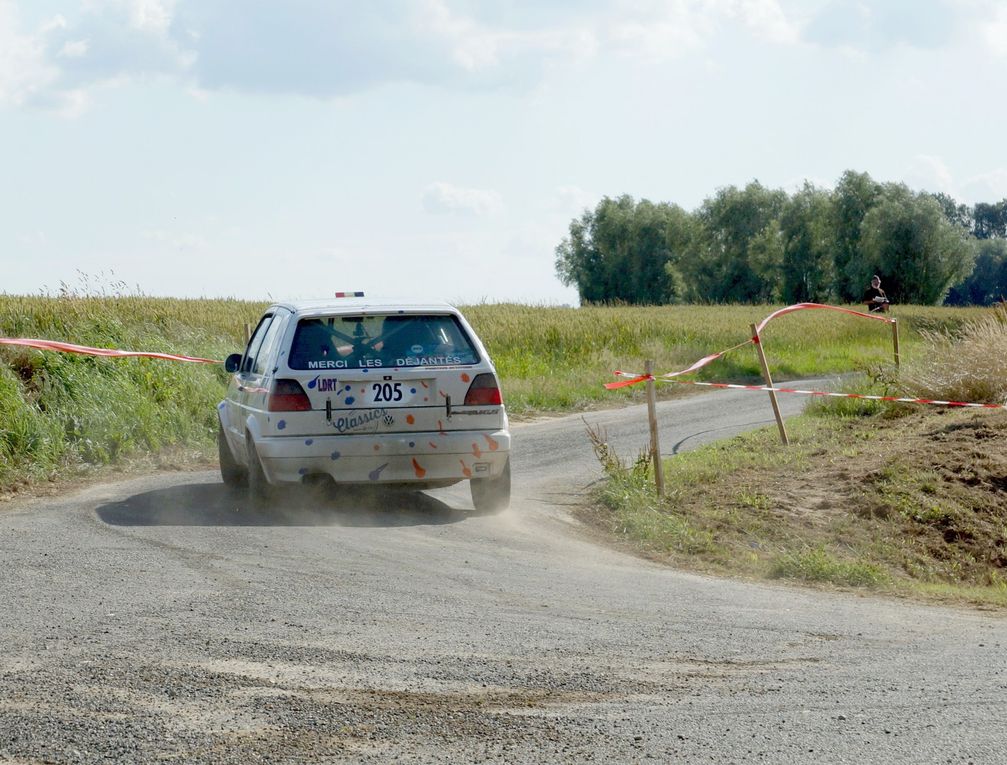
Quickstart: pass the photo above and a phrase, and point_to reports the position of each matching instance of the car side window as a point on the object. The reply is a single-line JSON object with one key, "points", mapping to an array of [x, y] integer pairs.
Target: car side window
{"points": [[252, 351], [268, 347]]}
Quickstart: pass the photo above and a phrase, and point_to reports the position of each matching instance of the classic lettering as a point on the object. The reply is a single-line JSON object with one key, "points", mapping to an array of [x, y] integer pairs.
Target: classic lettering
{"points": [[328, 364], [343, 424]]}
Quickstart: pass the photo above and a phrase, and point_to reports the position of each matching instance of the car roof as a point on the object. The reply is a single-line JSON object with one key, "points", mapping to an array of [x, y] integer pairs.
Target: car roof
{"points": [[364, 305]]}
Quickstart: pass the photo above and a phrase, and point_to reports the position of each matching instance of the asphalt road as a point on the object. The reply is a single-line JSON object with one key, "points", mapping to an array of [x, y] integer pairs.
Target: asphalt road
{"points": [[163, 619]]}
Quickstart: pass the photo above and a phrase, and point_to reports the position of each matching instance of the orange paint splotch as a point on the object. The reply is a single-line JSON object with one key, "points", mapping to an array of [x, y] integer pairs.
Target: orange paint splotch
{"points": [[431, 444], [493, 445], [465, 377], [465, 469], [377, 447], [410, 419], [424, 384], [420, 472], [442, 394], [476, 451]]}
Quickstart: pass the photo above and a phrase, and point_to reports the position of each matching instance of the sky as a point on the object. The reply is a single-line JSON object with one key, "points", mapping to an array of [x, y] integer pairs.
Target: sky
{"points": [[440, 148]]}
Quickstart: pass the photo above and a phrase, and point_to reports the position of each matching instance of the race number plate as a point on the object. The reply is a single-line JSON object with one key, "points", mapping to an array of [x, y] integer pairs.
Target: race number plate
{"points": [[397, 393]]}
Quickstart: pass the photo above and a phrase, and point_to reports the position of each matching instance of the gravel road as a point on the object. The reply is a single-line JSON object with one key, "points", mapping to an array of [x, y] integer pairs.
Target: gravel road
{"points": [[163, 619]]}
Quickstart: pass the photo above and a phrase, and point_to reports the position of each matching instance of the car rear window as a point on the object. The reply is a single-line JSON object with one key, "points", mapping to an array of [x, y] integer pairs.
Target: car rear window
{"points": [[365, 342]]}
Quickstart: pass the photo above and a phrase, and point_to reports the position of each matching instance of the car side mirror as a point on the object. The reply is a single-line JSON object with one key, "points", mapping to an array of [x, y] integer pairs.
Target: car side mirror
{"points": [[233, 362]]}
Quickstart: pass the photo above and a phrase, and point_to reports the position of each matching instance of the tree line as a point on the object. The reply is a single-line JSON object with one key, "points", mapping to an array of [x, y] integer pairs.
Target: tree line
{"points": [[762, 245]]}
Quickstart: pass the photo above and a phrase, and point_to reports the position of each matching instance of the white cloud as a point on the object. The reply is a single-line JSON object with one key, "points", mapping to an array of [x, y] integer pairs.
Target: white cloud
{"points": [[23, 66], [660, 30], [73, 49], [124, 40], [930, 172], [151, 15], [766, 19], [572, 200], [993, 27], [441, 197], [477, 47], [55, 67], [331, 48], [986, 187]]}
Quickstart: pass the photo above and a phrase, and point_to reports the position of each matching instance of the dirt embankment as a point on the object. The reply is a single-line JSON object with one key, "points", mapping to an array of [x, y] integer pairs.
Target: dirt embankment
{"points": [[912, 501]]}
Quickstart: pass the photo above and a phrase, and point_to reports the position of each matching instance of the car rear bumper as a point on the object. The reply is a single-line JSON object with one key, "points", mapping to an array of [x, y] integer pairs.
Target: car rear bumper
{"points": [[420, 458]]}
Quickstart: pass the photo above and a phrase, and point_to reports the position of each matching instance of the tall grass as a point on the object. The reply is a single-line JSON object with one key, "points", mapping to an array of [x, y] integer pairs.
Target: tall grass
{"points": [[557, 358], [60, 410], [57, 411], [965, 363]]}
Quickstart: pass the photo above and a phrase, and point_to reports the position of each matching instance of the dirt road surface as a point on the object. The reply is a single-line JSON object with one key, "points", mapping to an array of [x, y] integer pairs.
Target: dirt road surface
{"points": [[162, 619]]}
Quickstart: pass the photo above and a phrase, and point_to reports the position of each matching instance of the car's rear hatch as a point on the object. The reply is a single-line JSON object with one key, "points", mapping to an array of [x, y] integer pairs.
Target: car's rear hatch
{"points": [[390, 373]]}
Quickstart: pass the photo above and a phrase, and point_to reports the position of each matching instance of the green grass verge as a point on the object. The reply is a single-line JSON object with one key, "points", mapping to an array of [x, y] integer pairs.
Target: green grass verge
{"points": [[897, 500], [818, 565], [61, 411]]}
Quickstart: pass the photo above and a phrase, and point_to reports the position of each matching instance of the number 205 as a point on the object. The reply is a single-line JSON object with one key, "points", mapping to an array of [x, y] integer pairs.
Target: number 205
{"points": [[387, 391]]}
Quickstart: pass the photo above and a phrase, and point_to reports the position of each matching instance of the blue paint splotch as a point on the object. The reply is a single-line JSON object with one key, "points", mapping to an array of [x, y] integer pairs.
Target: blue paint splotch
{"points": [[376, 473], [309, 441], [281, 424], [220, 405], [412, 444], [313, 383], [335, 455], [302, 471], [350, 400]]}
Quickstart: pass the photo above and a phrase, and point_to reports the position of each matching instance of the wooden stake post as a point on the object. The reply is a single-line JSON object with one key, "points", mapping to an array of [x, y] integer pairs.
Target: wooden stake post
{"points": [[769, 384], [655, 444], [895, 341]]}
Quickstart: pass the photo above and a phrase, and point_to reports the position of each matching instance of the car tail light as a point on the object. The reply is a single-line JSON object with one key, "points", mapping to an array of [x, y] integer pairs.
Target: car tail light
{"points": [[288, 396], [483, 390]]}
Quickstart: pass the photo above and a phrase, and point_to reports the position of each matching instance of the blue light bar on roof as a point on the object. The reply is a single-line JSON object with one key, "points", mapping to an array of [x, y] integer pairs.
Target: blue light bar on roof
{"points": [[349, 294]]}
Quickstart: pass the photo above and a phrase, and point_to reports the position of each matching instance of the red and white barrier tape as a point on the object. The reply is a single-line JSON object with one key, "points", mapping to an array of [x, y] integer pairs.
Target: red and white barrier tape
{"points": [[806, 306], [698, 365], [635, 379], [53, 345], [899, 399]]}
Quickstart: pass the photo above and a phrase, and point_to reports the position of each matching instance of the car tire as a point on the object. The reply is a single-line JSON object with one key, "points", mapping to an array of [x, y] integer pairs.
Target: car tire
{"points": [[233, 474], [259, 488], [490, 495]]}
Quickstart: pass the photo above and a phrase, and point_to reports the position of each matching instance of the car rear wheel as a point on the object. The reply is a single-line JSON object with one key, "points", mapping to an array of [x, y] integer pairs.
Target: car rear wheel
{"points": [[259, 488], [234, 475], [492, 494]]}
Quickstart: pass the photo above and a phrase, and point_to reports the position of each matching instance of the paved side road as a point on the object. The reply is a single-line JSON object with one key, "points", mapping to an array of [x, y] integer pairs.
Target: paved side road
{"points": [[163, 619]]}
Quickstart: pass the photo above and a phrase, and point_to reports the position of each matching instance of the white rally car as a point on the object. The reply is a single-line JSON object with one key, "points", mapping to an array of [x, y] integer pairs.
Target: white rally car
{"points": [[365, 392]]}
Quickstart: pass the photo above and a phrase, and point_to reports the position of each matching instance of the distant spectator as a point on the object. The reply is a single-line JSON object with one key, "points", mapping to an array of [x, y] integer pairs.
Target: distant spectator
{"points": [[875, 297]]}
